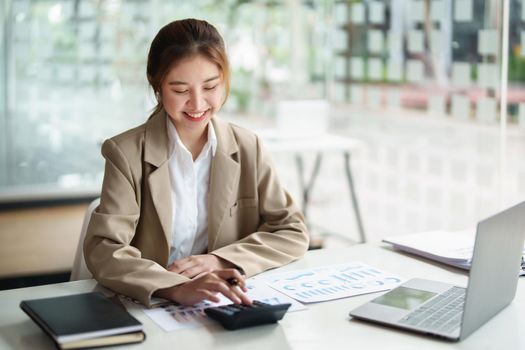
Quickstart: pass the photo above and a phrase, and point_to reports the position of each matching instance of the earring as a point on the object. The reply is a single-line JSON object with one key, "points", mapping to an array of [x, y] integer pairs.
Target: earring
{"points": [[157, 96]]}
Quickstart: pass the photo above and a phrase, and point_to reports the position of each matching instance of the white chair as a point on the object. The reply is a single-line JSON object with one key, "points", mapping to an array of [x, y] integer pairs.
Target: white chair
{"points": [[80, 270]]}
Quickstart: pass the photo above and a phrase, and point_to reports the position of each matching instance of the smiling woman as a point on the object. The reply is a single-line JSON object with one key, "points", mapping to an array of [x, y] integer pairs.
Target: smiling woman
{"points": [[163, 226], [172, 46], [191, 93]]}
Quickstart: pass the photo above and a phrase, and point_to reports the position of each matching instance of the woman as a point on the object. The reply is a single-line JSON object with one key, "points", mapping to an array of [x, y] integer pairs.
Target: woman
{"points": [[189, 203]]}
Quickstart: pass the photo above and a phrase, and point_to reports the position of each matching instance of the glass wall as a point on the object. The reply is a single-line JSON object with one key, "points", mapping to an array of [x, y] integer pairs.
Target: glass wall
{"points": [[418, 80], [421, 80], [436, 56]]}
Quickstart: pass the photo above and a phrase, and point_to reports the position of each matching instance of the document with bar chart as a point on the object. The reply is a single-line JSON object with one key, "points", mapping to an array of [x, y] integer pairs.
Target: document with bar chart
{"points": [[332, 282], [173, 317]]}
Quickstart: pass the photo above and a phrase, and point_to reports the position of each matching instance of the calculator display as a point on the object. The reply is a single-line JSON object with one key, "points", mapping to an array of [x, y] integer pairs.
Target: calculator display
{"points": [[404, 298]]}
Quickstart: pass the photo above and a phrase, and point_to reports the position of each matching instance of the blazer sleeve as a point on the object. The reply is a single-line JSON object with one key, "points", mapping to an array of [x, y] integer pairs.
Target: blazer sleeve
{"points": [[282, 235], [108, 252]]}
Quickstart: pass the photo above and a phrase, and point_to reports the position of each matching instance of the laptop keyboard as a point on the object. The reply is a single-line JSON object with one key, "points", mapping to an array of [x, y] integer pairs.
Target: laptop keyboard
{"points": [[443, 313]]}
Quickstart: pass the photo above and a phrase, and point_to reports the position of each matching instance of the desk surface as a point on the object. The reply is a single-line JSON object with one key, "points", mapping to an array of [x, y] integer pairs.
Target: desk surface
{"points": [[322, 326]]}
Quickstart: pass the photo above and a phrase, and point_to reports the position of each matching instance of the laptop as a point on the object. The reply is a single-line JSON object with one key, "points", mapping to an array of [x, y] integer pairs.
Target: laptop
{"points": [[451, 312]]}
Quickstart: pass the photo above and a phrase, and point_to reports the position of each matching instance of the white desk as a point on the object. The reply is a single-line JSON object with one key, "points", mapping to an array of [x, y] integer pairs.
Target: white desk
{"points": [[324, 326], [277, 141]]}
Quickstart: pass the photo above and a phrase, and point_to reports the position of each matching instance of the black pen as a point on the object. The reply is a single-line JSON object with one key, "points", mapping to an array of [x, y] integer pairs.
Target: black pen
{"points": [[233, 281]]}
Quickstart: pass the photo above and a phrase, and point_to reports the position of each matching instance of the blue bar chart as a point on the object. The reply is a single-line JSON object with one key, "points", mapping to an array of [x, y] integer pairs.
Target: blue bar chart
{"points": [[333, 282]]}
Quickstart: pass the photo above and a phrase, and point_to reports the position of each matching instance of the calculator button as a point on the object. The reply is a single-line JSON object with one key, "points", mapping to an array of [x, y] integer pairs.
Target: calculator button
{"points": [[236, 316], [259, 303], [230, 308]]}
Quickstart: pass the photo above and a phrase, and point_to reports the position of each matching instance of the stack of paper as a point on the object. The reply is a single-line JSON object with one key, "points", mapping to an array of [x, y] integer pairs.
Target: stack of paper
{"points": [[451, 248]]}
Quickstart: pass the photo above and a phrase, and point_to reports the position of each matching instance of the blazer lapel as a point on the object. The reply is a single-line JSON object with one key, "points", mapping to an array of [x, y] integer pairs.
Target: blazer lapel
{"points": [[224, 176], [156, 152]]}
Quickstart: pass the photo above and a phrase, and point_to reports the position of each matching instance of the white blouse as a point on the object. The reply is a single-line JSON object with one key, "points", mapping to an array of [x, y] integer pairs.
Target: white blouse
{"points": [[190, 183]]}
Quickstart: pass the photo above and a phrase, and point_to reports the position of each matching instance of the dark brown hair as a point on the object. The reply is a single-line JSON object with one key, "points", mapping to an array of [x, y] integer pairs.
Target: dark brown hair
{"points": [[182, 39]]}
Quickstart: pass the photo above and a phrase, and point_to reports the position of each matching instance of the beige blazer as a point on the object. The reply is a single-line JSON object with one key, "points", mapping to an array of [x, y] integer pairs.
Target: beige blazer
{"points": [[252, 220]]}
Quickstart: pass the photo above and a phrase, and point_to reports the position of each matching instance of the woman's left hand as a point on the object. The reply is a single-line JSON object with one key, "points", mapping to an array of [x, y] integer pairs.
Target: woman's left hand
{"points": [[196, 265]]}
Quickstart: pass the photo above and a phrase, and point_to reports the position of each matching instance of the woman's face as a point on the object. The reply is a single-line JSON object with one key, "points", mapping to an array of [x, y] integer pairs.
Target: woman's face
{"points": [[192, 92]]}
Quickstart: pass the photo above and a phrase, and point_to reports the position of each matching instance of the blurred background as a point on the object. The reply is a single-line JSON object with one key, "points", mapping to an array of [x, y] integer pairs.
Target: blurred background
{"points": [[433, 90]]}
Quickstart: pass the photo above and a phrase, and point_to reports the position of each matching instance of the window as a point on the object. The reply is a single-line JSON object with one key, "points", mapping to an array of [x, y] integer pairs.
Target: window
{"points": [[75, 75], [422, 78], [418, 80]]}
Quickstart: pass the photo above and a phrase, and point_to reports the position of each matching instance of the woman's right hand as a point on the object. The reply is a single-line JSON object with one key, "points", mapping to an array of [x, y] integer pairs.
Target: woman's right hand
{"points": [[206, 286]]}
